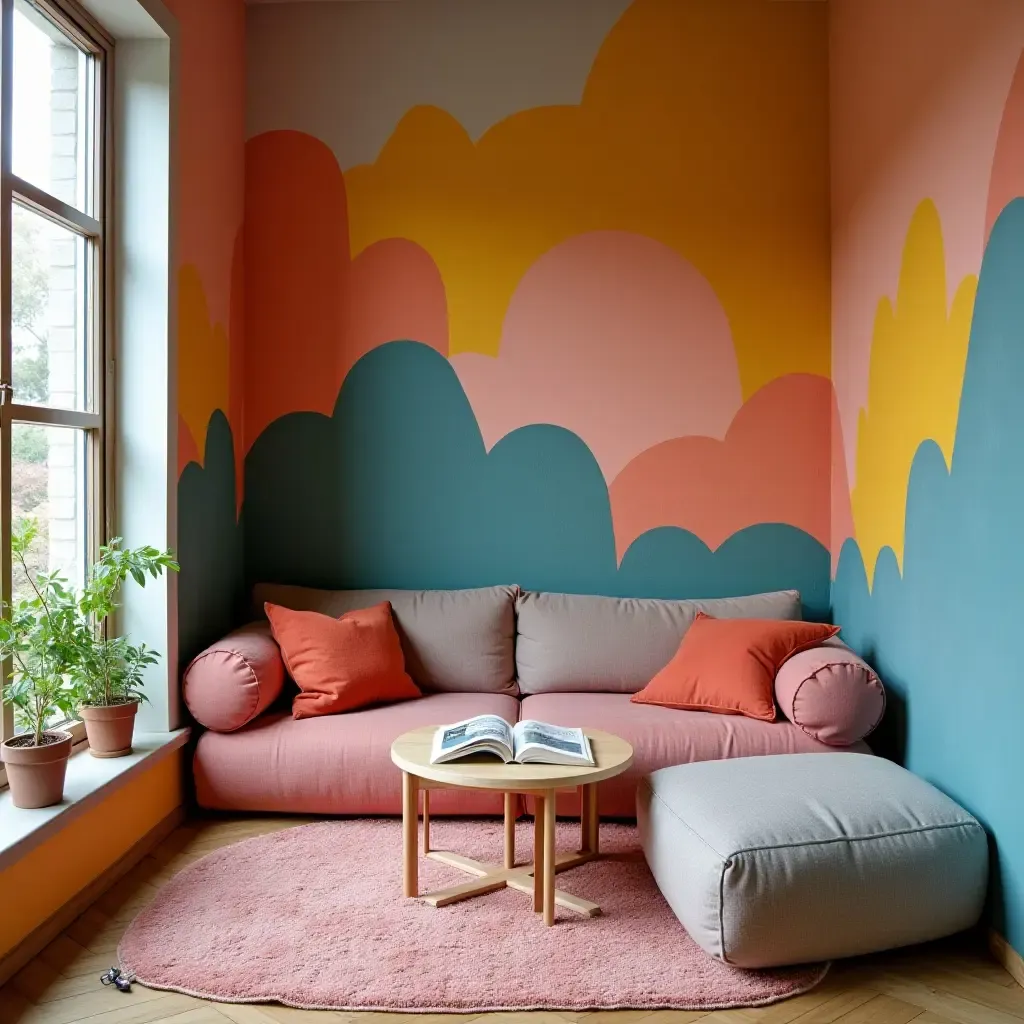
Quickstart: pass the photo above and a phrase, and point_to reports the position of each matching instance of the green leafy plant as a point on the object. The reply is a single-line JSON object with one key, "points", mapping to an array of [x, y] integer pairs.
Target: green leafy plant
{"points": [[109, 670], [61, 657], [42, 635]]}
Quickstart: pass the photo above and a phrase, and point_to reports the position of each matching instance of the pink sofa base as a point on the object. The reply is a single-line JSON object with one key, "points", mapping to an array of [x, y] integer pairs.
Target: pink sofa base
{"points": [[341, 764], [662, 737], [337, 764]]}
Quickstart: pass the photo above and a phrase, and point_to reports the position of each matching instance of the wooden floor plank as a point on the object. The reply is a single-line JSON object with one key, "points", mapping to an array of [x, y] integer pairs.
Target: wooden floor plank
{"points": [[109, 1006], [952, 982], [946, 1004], [957, 982]]}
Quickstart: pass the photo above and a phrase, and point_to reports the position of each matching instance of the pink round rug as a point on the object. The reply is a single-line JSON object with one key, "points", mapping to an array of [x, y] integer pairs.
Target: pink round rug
{"points": [[314, 917]]}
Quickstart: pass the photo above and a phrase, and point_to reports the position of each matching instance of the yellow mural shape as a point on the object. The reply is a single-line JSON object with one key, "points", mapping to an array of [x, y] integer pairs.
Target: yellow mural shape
{"points": [[702, 125], [203, 358], [918, 355]]}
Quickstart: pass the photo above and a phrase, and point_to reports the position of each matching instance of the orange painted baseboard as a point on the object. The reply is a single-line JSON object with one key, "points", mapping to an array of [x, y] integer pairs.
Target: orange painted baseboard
{"points": [[54, 873]]}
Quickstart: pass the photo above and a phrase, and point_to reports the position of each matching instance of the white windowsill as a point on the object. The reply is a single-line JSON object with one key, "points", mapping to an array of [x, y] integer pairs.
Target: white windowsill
{"points": [[89, 781]]}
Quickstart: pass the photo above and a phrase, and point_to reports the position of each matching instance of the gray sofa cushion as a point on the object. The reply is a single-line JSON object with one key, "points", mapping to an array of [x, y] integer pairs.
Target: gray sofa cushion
{"points": [[454, 640], [574, 642], [797, 857]]}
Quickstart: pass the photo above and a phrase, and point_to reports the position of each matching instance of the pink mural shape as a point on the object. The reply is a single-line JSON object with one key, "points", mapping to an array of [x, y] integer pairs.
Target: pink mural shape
{"points": [[1007, 181], [772, 467], [615, 337]]}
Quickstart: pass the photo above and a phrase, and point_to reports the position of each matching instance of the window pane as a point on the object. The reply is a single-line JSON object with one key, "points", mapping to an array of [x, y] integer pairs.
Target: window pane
{"points": [[49, 483], [52, 109], [49, 322]]}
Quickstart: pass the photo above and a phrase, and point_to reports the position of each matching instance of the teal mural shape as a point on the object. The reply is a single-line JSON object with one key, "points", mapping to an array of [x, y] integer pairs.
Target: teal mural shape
{"points": [[209, 545], [944, 636], [396, 489]]}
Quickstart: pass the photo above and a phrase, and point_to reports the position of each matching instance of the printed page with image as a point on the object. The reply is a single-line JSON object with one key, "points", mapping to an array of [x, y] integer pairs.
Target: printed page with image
{"points": [[528, 742]]}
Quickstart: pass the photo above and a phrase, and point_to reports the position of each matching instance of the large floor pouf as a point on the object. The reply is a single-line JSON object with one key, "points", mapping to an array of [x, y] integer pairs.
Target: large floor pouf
{"points": [[793, 858]]}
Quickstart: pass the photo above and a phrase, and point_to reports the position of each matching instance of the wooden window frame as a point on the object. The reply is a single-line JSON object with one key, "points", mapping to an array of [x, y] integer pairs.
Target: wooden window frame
{"points": [[85, 33]]}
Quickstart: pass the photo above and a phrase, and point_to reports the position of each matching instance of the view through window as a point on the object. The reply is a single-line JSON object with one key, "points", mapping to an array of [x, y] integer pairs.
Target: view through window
{"points": [[52, 330]]}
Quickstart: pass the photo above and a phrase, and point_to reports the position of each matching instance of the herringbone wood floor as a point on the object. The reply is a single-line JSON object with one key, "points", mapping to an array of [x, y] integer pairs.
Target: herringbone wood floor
{"points": [[945, 983]]}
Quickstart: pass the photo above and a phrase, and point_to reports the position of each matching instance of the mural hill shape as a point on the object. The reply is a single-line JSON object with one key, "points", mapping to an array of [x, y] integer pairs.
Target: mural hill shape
{"points": [[396, 489], [676, 138], [942, 635], [209, 545], [917, 365], [310, 311], [615, 337], [769, 468]]}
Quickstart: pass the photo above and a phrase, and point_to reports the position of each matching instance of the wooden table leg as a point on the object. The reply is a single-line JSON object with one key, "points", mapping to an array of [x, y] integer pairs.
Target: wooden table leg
{"points": [[592, 840], [538, 853], [426, 822], [584, 820], [410, 819], [510, 830], [549, 857]]}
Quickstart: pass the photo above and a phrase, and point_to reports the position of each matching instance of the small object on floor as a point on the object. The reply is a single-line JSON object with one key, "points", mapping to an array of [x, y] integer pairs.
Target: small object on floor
{"points": [[121, 980]]}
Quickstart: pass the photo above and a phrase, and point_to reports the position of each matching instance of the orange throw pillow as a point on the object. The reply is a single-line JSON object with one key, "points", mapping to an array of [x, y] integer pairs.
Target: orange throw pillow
{"points": [[341, 664], [728, 666]]}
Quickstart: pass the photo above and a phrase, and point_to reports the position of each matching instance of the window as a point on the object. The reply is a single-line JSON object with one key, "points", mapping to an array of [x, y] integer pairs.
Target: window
{"points": [[52, 279]]}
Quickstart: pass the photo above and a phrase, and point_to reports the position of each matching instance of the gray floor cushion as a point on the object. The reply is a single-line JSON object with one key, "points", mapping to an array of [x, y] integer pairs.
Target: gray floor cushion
{"points": [[799, 857]]}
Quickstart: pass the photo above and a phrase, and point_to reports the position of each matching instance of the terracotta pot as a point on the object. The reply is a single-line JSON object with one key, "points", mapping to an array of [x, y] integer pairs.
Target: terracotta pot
{"points": [[36, 774], [109, 728]]}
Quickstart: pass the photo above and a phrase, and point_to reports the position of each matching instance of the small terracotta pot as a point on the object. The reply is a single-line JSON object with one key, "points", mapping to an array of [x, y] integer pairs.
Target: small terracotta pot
{"points": [[36, 774], [109, 728]]}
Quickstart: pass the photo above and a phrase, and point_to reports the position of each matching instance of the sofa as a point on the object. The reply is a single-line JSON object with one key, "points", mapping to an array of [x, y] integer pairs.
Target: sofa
{"points": [[562, 658]]}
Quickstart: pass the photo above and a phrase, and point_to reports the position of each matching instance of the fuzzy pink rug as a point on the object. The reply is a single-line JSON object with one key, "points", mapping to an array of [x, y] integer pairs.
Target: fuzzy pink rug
{"points": [[314, 917]]}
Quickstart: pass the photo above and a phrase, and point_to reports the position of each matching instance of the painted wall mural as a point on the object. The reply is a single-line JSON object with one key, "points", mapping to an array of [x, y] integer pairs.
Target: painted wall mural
{"points": [[210, 204], [928, 479], [561, 314], [564, 350]]}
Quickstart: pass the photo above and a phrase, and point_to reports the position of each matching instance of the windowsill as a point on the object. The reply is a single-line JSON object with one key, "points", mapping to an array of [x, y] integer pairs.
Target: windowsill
{"points": [[90, 780]]}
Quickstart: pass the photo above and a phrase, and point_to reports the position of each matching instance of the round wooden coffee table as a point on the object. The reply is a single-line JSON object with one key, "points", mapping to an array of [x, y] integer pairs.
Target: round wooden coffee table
{"points": [[411, 753]]}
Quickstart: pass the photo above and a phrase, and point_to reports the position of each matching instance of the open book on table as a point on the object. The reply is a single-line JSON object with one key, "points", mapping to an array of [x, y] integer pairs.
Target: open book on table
{"points": [[526, 742]]}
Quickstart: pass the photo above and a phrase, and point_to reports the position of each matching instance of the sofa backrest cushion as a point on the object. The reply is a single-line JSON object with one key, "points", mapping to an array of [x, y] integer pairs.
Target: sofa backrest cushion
{"points": [[453, 640], [574, 642]]}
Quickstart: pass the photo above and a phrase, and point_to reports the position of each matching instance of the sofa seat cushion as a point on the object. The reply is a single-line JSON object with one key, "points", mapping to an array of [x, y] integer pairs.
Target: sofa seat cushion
{"points": [[663, 737], [781, 860], [335, 764]]}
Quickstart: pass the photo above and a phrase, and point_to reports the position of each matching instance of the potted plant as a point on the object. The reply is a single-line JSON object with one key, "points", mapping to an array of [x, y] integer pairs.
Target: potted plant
{"points": [[40, 634], [107, 671]]}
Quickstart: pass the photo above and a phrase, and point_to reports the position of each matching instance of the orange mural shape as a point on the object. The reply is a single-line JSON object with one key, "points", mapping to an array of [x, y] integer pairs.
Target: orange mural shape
{"points": [[296, 259], [310, 312], [772, 467], [1007, 181], [188, 450], [236, 362], [396, 295]]}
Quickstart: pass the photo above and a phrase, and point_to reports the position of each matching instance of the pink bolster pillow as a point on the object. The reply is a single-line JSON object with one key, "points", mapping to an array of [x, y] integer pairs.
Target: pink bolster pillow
{"points": [[830, 693], [235, 679]]}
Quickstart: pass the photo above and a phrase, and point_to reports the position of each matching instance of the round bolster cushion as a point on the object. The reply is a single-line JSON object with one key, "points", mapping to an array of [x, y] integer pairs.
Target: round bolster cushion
{"points": [[830, 693], [235, 679]]}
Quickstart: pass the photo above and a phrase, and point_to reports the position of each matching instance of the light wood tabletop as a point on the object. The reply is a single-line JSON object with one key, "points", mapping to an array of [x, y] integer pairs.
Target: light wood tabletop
{"points": [[411, 753]]}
